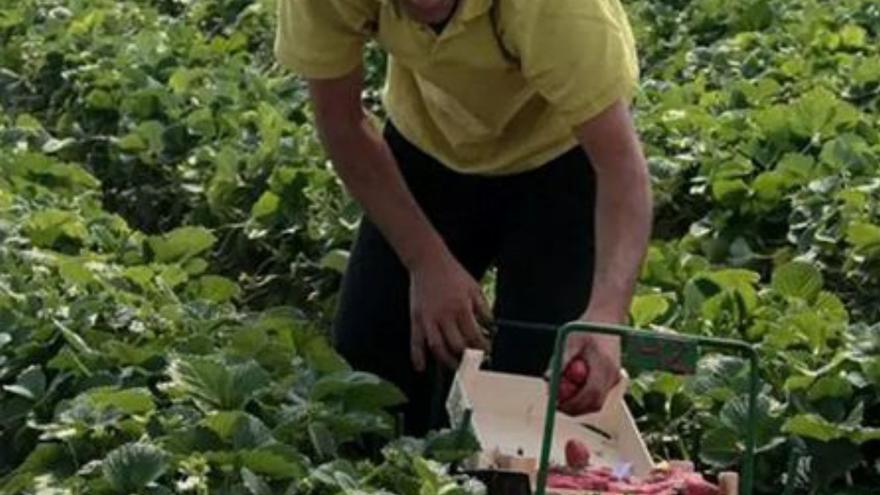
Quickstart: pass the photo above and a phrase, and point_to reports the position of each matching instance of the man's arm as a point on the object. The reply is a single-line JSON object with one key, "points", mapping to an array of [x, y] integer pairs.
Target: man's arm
{"points": [[623, 210], [623, 230], [444, 297]]}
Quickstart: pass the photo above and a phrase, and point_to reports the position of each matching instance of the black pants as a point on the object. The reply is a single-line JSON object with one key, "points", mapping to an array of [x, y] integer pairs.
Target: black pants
{"points": [[535, 227]]}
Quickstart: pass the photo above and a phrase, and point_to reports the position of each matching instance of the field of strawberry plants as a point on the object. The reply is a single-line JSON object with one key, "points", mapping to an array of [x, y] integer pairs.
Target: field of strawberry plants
{"points": [[172, 237]]}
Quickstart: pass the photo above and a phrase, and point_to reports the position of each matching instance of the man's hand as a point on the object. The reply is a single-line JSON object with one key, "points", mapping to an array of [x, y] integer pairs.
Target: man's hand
{"points": [[445, 303], [602, 354]]}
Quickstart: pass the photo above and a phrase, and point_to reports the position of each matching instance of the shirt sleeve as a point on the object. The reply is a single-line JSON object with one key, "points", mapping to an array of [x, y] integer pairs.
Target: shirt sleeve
{"points": [[323, 38], [578, 54]]}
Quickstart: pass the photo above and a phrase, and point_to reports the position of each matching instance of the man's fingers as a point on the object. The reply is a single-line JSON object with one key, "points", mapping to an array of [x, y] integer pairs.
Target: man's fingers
{"points": [[417, 345], [587, 400], [455, 340], [467, 322], [437, 344]]}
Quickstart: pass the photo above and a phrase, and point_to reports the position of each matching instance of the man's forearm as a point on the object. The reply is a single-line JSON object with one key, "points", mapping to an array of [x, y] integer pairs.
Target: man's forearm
{"points": [[623, 230], [369, 171], [623, 210]]}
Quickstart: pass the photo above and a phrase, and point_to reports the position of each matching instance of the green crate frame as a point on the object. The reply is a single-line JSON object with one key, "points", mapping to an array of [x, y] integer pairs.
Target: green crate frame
{"points": [[744, 348]]}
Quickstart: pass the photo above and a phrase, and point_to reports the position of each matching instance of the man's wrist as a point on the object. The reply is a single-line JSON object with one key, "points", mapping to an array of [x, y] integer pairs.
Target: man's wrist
{"points": [[422, 251], [608, 345]]}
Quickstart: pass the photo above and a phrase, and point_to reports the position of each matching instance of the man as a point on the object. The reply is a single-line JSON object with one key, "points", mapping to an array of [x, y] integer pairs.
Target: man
{"points": [[509, 143]]}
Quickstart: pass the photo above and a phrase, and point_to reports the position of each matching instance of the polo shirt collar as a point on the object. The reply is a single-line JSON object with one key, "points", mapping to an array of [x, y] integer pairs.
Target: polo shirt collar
{"points": [[470, 9]]}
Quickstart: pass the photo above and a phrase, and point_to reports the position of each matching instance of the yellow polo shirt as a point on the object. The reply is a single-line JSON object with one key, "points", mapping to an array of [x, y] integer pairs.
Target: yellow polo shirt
{"points": [[455, 95]]}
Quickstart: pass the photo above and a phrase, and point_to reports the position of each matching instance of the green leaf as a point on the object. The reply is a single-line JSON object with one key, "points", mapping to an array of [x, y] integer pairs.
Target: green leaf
{"points": [[31, 384], [132, 142], [216, 385], [128, 354], [719, 447], [217, 289], [322, 357], [6, 199], [741, 281], [76, 272], [173, 276], [831, 307], [734, 415], [771, 186], [812, 326], [357, 390], [133, 466], [61, 177], [853, 36], [871, 368], [129, 401], [867, 71], [773, 121], [820, 112], [181, 244], [254, 484], [28, 122], [756, 15], [698, 290], [12, 16], [812, 426], [271, 125], [451, 445], [797, 168], [195, 266], [647, 308], [42, 459], [322, 440], [222, 186], [182, 79], [329, 474], [141, 275], [75, 341], [830, 387], [150, 133], [848, 152], [55, 145], [729, 191], [720, 377], [48, 226], [355, 424], [799, 280], [201, 122], [277, 461], [865, 434], [266, 206], [863, 236], [241, 429], [335, 260], [799, 382], [100, 100]]}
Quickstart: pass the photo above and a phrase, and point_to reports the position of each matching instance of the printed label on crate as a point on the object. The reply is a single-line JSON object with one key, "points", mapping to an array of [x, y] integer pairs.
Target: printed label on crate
{"points": [[660, 353]]}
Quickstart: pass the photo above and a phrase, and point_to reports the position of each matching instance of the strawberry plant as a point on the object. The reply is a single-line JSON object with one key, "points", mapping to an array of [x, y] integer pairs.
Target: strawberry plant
{"points": [[125, 367]]}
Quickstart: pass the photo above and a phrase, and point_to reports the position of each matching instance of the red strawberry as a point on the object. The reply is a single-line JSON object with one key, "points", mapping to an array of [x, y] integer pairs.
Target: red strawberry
{"points": [[577, 371], [695, 485], [577, 455], [567, 390]]}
